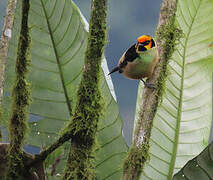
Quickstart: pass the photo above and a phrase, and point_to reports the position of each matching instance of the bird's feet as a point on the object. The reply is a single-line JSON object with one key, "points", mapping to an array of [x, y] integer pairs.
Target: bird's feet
{"points": [[149, 85]]}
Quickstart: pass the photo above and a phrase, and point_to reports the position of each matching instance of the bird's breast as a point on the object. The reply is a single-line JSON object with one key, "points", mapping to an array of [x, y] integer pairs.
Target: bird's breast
{"points": [[134, 70], [141, 67]]}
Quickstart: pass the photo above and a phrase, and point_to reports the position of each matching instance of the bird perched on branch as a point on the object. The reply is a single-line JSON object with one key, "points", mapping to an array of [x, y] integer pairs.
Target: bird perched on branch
{"points": [[139, 60]]}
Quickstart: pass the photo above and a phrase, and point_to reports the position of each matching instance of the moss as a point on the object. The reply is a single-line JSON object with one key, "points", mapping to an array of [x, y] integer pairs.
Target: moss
{"points": [[167, 35], [136, 157], [89, 106], [20, 100], [80, 163], [171, 34]]}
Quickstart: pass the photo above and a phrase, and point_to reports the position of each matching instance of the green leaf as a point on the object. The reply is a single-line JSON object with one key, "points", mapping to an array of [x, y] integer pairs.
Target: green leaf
{"points": [[59, 40], [181, 126], [200, 167]]}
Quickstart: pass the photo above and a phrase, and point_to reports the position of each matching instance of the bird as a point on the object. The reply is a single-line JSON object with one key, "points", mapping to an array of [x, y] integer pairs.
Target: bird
{"points": [[139, 60]]}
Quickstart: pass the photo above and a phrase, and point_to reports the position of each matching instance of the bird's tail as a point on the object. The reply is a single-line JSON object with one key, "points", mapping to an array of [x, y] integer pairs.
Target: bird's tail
{"points": [[114, 70]]}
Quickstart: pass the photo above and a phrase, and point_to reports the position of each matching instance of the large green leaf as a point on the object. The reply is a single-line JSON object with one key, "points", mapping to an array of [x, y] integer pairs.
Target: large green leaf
{"points": [[59, 40], [200, 167], [182, 122]]}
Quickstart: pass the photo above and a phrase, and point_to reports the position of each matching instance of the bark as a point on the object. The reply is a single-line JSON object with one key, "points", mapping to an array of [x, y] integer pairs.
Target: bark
{"points": [[165, 39]]}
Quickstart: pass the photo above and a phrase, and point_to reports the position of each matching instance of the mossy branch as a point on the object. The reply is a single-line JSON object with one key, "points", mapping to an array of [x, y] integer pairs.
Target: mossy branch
{"points": [[20, 100], [36, 173], [89, 106], [93, 61], [43, 155], [166, 35]]}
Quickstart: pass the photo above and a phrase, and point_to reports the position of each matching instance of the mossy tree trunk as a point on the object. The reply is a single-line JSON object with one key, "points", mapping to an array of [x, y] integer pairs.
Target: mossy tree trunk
{"points": [[20, 101], [166, 35], [89, 106]]}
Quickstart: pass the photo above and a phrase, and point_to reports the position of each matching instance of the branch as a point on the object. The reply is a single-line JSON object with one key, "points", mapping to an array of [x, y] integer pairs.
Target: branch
{"points": [[167, 34], [89, 106], [36, 173], [20, 100], [92, 65], [43, 155]]}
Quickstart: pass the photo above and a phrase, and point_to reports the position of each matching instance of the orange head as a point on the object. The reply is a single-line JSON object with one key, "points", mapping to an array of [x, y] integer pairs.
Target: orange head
{"points": [[144, 43]]}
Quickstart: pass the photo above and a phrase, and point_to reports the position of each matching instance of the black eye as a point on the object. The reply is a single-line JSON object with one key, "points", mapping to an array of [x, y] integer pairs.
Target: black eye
{"points": [[146, 43], [141, 48]]}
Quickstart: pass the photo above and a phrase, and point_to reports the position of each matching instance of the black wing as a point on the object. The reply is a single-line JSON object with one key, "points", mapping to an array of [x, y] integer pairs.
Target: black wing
{"points": [[131, 54]]}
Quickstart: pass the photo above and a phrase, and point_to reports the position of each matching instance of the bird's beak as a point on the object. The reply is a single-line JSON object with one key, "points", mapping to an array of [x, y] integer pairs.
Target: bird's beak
{"points": [[114, 70]]}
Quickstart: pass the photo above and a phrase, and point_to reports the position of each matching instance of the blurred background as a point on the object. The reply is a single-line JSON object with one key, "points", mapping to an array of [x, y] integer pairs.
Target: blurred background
{"points": [[3, 5], [126, 21]]}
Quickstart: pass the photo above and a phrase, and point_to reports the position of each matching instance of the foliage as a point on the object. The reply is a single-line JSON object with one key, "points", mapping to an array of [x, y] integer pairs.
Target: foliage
{"points": [[200, 167], [181, 125], [59, 40]]}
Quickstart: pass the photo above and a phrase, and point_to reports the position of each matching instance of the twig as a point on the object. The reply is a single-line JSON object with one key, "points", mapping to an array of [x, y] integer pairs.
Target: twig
{"points": [[43, 155]]}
